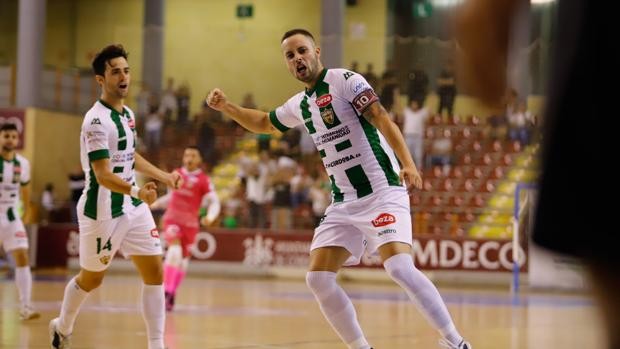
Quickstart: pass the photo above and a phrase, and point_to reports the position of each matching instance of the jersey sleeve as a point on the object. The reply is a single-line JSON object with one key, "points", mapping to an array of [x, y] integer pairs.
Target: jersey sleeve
{"points": [[358, 91], [95, 139], [24, 177], [284, 117]]}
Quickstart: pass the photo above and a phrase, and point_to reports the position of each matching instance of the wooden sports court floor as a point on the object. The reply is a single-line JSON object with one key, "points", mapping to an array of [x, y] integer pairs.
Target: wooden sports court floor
{"points": [[269, 314]]}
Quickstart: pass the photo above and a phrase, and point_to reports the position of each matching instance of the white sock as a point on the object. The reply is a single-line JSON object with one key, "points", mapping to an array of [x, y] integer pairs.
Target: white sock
{"points": [[71, 303], [337, 308], [154, 314], [23, 281], [423, 294]]}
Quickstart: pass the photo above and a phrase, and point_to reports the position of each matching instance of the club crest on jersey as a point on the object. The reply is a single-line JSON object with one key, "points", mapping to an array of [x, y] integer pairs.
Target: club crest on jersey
{"points": [[324, 100], [383, 220], [328, 115], [104, 260]]}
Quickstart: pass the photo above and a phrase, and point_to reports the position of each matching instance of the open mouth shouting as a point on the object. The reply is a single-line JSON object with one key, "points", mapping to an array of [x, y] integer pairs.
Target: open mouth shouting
{"points": [[123, 86], [302, 70]]}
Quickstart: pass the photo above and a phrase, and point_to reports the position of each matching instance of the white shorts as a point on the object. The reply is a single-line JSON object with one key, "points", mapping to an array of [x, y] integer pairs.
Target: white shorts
{"points": [[366, 224], [13, 234], [133, 234]]}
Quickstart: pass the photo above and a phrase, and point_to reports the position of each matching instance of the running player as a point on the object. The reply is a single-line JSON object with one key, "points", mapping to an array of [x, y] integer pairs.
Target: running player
{"points": [[181, 218], [370, 209], [112, 215], [15, 179]]}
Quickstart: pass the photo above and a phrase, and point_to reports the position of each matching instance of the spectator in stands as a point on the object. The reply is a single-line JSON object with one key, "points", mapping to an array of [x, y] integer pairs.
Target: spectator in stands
{"points": [[48, 204], [183, 99], [153, 128], [371, 77], [414, 118], [168, 105], [307, 148], [390, 96], [142, 104], [244, 162], [300, 185], [263, 142], [355, 67], [290, 142], [205, 133], [256, 192], [446, 89], [281, 213], [520, 123], [441, 152], [320, 196], [248, 101], [418, 86], [232, 208], [76, 185]]}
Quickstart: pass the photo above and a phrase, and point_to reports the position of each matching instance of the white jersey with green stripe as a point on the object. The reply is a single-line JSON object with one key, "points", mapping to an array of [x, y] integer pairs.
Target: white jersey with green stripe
{"points": [[15, 173], [107, 133], [355, 154]]}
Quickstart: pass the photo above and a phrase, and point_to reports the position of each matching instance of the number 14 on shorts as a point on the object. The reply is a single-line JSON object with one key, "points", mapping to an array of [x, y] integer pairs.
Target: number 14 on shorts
{"points": [[107, 246]]}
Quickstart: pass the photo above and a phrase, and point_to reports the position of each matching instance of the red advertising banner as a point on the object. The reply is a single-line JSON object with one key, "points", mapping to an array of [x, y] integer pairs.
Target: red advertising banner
{"points": [[267, 248], [17, 117]]}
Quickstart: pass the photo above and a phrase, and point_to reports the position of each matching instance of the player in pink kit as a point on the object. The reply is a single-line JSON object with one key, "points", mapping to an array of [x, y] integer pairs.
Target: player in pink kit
{"points": [[181, 223]]}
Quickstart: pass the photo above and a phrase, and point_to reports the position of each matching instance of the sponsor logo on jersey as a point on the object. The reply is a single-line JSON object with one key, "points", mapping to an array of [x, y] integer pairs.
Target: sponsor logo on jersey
{"points": [[383, 220], [154, 233], [104, 260], [95, 121], [95, 135], [333, 135], [328, 116], [20, 234], [342, 160], [387, 231], [347, 75], [324, 100], [359, 87]]}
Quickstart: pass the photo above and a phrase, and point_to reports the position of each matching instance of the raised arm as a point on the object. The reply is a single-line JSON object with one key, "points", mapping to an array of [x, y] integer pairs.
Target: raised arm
{"points": [[251, 119]]}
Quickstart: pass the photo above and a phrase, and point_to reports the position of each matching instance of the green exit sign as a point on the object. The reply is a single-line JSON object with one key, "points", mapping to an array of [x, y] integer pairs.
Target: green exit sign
{"points": [[245, 11], [423, 9]]}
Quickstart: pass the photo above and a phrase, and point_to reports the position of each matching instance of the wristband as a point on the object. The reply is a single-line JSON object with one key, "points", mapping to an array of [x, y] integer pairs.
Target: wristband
{"points": [[134, 192]]}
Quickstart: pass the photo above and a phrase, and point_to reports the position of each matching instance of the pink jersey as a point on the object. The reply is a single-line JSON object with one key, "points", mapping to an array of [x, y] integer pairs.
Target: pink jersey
{"points": [[185, 202]]}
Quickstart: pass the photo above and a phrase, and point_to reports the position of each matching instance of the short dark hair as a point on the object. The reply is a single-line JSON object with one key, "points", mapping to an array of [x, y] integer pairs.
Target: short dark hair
{"points": [[107, 53], [194, 147], [296, 31], [8, 127]]}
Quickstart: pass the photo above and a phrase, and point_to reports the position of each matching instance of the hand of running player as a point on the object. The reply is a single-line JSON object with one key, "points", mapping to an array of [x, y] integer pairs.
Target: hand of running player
{"points": [[148, 193], [411, 178], [204, 221], [217, 99]]}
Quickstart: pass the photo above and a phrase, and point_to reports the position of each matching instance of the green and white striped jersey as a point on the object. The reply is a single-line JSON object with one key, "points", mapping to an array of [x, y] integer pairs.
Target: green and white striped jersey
{"points": [[107, 133], [357, 157], [15, 173]]}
